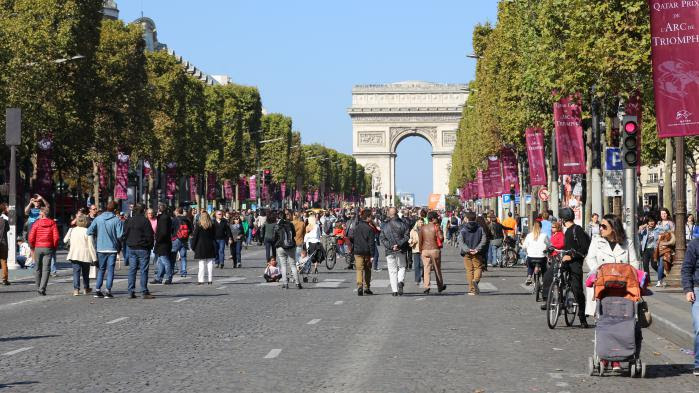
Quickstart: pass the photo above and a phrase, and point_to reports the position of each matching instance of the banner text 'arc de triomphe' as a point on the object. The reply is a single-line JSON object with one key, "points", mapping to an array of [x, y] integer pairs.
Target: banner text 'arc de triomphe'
{"points": [[384, 115]]}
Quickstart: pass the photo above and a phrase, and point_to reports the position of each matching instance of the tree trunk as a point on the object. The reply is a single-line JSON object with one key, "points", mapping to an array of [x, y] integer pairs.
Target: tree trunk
{"points": [[95, 182], [667, 175]]}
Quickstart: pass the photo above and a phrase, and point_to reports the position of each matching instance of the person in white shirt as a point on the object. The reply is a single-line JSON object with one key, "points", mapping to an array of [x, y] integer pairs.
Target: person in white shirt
{"points": [[535, 245], [272, 273]]}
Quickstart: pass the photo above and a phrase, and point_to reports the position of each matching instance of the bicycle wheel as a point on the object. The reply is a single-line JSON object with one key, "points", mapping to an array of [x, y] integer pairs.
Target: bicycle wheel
{"points": [[553, 305], [570, 308], [331, 258], [510, 258], [537, 287]]}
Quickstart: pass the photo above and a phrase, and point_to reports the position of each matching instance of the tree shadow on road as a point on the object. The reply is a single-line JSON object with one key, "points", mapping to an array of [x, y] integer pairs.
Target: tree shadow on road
{"points": [[668, 370], [24, 338]]}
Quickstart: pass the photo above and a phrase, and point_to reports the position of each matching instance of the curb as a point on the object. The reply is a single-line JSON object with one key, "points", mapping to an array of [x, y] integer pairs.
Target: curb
{"points": [[666, 323]]}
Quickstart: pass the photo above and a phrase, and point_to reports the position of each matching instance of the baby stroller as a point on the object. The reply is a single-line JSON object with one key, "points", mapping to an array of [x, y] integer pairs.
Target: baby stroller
{"points": [[306, 268], [617, 333]]}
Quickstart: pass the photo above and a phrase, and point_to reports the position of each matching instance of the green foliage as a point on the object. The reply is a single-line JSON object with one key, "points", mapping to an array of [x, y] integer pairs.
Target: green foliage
{"points": [[276, 128]]}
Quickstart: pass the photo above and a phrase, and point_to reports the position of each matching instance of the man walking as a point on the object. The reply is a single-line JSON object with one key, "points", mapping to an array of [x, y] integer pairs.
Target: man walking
{"points": [[394, 236], [222, 232], [285, 244], [363, 241], [690, 285], [180, 240], [163, 246], [138, 236], [472, 240], [43, 240], [107, 228]]}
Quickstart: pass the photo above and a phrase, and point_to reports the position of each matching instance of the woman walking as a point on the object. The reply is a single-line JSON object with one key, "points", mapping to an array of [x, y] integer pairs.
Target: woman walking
{"points": [[81, 254], [666, 245], [204, 246], [431, 241], [237, 236]]}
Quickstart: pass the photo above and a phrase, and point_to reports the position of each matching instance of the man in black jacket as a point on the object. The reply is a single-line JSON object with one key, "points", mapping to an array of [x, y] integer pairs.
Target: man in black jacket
{"points": [[163, 245], [576, 239], [394, 236], [285, 245], [363, 240], [222, 232], [690, 285], [138, 236]]}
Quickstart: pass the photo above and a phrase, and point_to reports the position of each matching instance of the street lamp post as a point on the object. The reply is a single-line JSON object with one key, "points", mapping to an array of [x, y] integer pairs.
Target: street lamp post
{"points": [[13, 137]]}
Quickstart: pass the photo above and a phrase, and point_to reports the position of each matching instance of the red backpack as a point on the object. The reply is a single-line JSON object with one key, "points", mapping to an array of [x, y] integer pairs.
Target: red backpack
{"points": [[183, 230]]}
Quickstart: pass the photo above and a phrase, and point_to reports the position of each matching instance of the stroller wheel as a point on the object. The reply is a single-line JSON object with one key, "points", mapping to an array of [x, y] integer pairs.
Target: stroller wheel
{"points": [[591, 366], [643, 369], [632, 370]]}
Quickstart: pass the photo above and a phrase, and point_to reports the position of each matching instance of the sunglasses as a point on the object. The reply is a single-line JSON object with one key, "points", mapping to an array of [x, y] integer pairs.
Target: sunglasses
{"points": [[604, 226]]}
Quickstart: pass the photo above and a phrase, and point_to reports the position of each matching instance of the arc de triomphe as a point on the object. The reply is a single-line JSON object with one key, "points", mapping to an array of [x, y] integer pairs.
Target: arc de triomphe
{"points": [[384, 115]]}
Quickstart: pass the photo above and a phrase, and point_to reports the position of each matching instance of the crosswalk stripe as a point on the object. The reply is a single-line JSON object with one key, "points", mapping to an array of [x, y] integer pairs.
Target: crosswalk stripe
{"points": [[180, 300], [273, 353], [117, 320], [329, 284], [313, 322], [16, 351], [487, 287]]}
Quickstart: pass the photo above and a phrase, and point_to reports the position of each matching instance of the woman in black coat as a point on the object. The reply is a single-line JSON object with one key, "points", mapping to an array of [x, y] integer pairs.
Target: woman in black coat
{"points": [[203, 244]]}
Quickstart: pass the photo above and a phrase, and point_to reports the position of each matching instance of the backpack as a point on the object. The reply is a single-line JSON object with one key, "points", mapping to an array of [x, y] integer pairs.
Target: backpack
{"points": [[286, 236], [183, 230]]}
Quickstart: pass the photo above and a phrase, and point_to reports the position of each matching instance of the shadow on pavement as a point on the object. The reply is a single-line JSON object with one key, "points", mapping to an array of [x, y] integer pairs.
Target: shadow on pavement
{"points": [[24, 338], [11, 384], [668, 370]]}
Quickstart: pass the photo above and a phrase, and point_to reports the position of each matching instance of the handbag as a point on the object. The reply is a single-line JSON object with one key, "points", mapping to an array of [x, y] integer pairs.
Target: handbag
{"points": [[440, 242], [645, 318]]}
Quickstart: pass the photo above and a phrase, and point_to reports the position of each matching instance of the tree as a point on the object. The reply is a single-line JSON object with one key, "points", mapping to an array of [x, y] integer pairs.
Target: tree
{"points": [[276, 128]]}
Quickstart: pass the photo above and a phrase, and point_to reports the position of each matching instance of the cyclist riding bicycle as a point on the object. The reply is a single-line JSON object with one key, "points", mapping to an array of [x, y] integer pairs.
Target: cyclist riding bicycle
{"points": [[535, 245], [577, 241]]}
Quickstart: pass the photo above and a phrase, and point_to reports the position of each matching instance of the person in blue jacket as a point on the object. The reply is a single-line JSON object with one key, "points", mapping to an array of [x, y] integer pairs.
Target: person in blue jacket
{"points": [[107, 229]]}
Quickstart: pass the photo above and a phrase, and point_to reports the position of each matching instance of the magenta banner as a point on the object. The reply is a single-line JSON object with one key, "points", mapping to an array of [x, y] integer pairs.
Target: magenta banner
{"points": [[481, 187], [570, 150], [192, 188], [242, 188], [492, 178], [315, 196], [283, 189], [228, 190], [44, 170], [170, 179], [265, 191], [535, 155], [297, 197], [675, 59], [211, 186], [122, 176], [509, 170], [253, 187]]}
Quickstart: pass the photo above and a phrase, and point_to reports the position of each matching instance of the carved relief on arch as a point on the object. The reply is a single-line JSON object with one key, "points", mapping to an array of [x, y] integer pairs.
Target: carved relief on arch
{"points": [[375, 173], [399, 132]]}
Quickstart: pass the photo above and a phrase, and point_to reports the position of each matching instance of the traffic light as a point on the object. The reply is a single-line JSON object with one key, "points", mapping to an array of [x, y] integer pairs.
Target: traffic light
{"points": [[629, 141], [267, 176]]}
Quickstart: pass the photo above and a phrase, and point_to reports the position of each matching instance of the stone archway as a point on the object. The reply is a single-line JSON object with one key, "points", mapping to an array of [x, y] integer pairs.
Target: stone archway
{"points": [[384, 115]]}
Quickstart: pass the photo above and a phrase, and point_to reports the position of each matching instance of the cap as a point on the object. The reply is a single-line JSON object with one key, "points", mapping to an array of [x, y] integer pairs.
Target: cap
{"points": [[566, 214]]}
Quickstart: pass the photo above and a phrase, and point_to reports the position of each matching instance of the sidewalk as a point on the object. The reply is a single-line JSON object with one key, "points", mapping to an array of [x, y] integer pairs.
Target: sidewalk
{"points": [[672, 317]]}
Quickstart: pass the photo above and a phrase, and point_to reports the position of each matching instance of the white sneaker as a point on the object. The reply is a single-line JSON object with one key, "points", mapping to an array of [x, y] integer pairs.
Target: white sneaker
{"points": [[658, 284]]}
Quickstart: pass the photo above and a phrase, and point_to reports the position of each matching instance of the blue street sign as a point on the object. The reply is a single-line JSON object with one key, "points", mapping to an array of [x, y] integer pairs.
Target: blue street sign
{"points": [[517, 198], [528, 199], [614, 159], [506, 198]]}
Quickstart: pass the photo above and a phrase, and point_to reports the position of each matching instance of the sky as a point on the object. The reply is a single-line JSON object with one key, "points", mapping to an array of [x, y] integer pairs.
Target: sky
{"points": [[305, 55]]}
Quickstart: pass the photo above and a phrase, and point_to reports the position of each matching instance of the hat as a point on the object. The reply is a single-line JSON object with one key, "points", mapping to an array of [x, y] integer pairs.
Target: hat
{"points": [[566, 214]]}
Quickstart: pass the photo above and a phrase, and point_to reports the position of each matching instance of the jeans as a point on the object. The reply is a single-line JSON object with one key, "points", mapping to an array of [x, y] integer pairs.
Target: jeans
{"points": [[375, 255], [236, 246], [53, 263], [417, 266], [396, 268], [270, 250], [494, 254], [81, 269], [695, 319], [21, 261], [164, 268], [646, 257], [249, 238], [288, 263], [661, 269], [220, 251], [106, 261], [180, 247], [42, 256], [138, 259], [125, 255], [298, 252]]}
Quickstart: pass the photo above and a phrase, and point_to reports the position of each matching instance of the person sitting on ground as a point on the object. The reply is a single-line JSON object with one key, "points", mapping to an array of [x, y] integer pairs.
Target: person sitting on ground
{"points": [[272, 273]]}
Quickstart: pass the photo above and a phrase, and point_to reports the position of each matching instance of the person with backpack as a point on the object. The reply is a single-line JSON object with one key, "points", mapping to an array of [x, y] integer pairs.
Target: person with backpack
{"points": [[472, 241], [498, 233], [576, 239], [284, 237], [107, 228], [163, 246], [180, 240]]}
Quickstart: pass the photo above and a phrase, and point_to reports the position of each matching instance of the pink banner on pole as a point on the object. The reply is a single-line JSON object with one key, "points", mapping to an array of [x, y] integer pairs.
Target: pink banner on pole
{"points": [[265, 191], [242, 188], [146, 168], [675, 59], [297, 197], [283, 189], [509, 170], [122, 176], [481, 186], [211, 186], [228, 190], [570, 150], [635, 108], [253, 187], [315, 195], [492, 178], [170, 179], [535, 155], [192, 188], [44, 169]]}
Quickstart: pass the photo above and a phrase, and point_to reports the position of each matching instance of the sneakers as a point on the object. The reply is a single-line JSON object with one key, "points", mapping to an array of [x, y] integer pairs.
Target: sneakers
{"points": [[529, 281], [98, 294], [658, 284], [616, 366], [76, 292], [377, 270], [108, 295], [148, 296], [298, 286], [400, 288], [156, 282], [360, 292], [168, 282]]}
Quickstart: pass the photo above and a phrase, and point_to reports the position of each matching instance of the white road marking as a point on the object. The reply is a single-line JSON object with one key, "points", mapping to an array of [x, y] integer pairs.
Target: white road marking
{"points": [[556, 375], [269, 284], [117, 320], [180, 300], [337, 303], [335, 279], [273, 353], [562, 384], [30, 300], [178, 279], [380, 283], [329, 284], [313, 322], [16, 351], [231, 279], [419, 299], [487, 287], [223, 287]]}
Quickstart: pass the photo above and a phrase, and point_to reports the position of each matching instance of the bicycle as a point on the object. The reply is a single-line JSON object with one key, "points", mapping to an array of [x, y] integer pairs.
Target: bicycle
{"points": [[560, 296], [538, 279], [329, 243], [508, 257]]}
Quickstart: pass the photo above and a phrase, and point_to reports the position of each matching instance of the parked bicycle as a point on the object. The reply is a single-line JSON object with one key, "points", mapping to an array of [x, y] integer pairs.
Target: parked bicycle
{"points": [[510, 254]]}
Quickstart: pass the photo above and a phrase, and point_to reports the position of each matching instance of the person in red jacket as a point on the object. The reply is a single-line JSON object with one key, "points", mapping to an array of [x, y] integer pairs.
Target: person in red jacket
{"points": [[43, 240]]}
